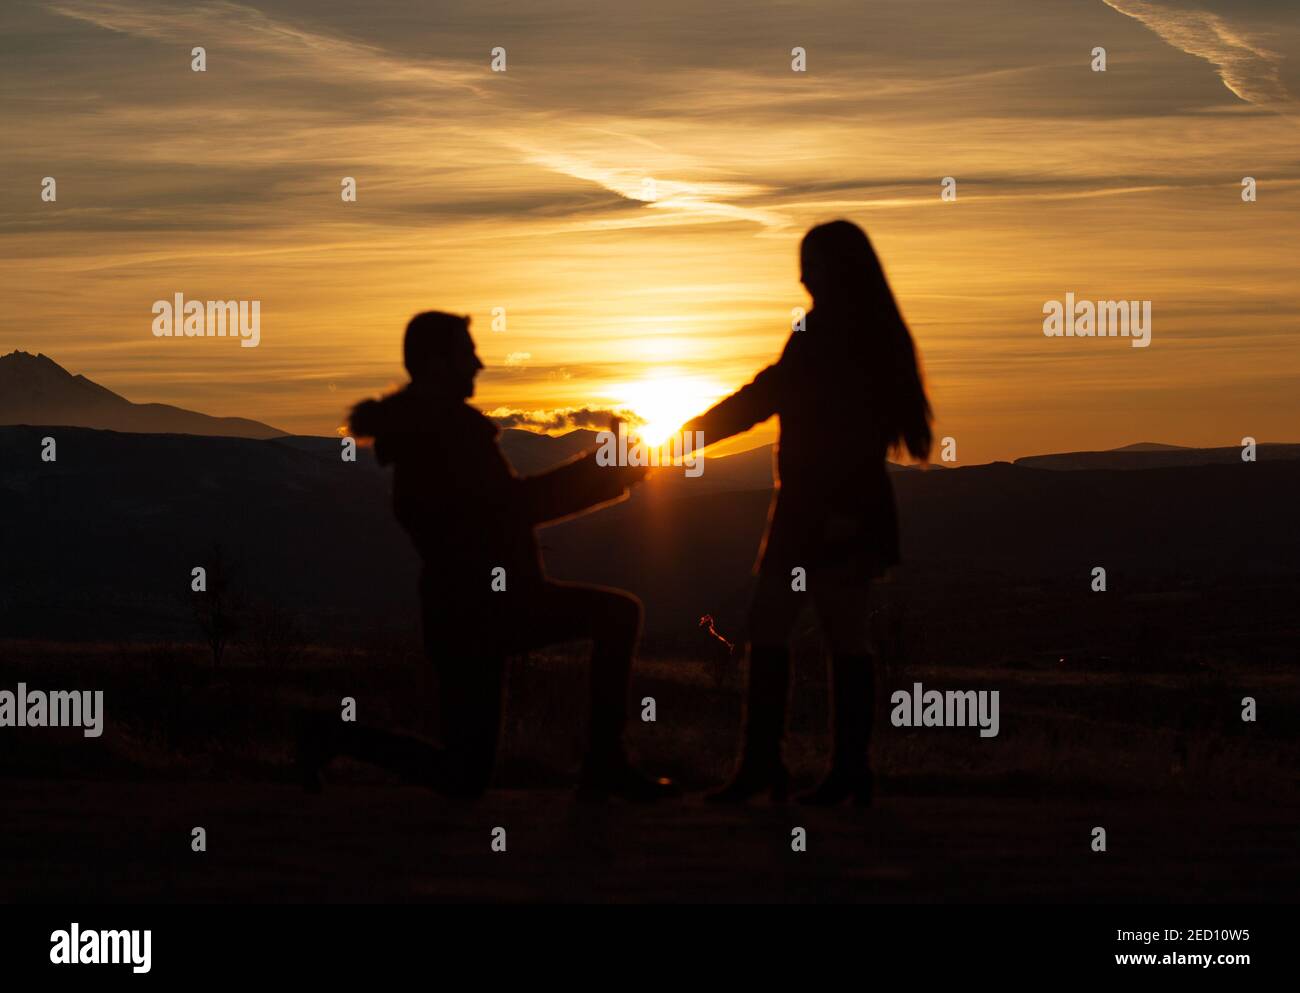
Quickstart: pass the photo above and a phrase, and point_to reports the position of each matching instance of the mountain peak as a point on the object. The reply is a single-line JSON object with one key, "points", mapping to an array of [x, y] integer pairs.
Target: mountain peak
{"points": [[22, 373], [34, 389], [18, 359]]}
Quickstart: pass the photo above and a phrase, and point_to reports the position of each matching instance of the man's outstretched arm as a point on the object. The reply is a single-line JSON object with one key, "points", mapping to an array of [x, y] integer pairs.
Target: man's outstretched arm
{"points": [[573, 487]]}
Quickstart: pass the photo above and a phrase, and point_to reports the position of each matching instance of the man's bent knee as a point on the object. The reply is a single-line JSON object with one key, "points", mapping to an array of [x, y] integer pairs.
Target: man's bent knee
{"points": [[620, 613]]}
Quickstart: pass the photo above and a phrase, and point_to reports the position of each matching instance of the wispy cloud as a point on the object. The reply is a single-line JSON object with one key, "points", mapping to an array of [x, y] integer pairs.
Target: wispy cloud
{"points": [[1249, 70], [695, 199], [406, 88], [236, 27]]}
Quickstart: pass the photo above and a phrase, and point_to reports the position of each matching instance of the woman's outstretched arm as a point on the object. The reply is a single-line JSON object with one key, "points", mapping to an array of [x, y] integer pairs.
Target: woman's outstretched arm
{"points": [[752, 403]]}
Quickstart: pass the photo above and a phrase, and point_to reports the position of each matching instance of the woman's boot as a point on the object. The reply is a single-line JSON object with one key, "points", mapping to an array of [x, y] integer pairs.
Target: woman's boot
{"points": [[761, 768], [852, 706]]}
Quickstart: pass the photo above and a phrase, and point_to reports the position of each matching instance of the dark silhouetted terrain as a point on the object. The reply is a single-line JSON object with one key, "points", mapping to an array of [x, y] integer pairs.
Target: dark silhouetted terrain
{"points": [[101, 542], [1119, 708]]}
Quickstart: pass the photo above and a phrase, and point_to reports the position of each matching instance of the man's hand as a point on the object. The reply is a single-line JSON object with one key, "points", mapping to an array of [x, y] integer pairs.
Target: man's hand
{"points": [[633, 474], [630, 475]]}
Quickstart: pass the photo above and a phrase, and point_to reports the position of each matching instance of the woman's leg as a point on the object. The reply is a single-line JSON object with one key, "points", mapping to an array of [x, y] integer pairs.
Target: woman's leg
{"points": [[843, 609], [772, 616]]}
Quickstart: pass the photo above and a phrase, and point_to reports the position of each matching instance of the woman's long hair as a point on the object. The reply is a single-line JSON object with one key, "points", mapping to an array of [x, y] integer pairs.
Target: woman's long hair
{"points": [[844, 276]]}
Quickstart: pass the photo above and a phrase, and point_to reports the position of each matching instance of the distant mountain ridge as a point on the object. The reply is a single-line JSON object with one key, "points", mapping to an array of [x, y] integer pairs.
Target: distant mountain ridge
{"points": [[1147, 455], [34, 389], [1148, 446]]}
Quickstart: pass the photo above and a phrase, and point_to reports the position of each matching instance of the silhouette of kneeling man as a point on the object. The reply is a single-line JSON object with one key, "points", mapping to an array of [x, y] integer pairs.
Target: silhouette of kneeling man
{"points": [[470, 517]]}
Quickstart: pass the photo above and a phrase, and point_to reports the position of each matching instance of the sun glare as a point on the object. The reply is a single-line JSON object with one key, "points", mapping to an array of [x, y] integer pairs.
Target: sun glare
{"points": [[664, 401]]}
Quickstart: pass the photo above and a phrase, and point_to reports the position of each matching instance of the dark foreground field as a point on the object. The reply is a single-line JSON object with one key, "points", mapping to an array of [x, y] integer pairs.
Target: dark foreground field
{"points": [[1197, 805], [129, 842]]}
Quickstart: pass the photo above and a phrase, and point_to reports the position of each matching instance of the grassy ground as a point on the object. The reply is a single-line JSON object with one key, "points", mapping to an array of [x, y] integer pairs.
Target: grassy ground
{"points": [[172, 714], [1197, 804]]}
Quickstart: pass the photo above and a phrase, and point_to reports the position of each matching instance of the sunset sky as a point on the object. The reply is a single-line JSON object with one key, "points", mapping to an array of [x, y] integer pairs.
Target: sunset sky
{"points": [[528, 190]]}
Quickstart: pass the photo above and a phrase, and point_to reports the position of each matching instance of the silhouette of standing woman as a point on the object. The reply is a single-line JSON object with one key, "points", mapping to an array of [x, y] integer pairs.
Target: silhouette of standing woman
{"points": [[848, 390]]}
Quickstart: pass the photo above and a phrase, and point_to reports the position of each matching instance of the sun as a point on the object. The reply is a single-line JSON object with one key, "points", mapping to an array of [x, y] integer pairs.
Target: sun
{"points": [[664, 400]]}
